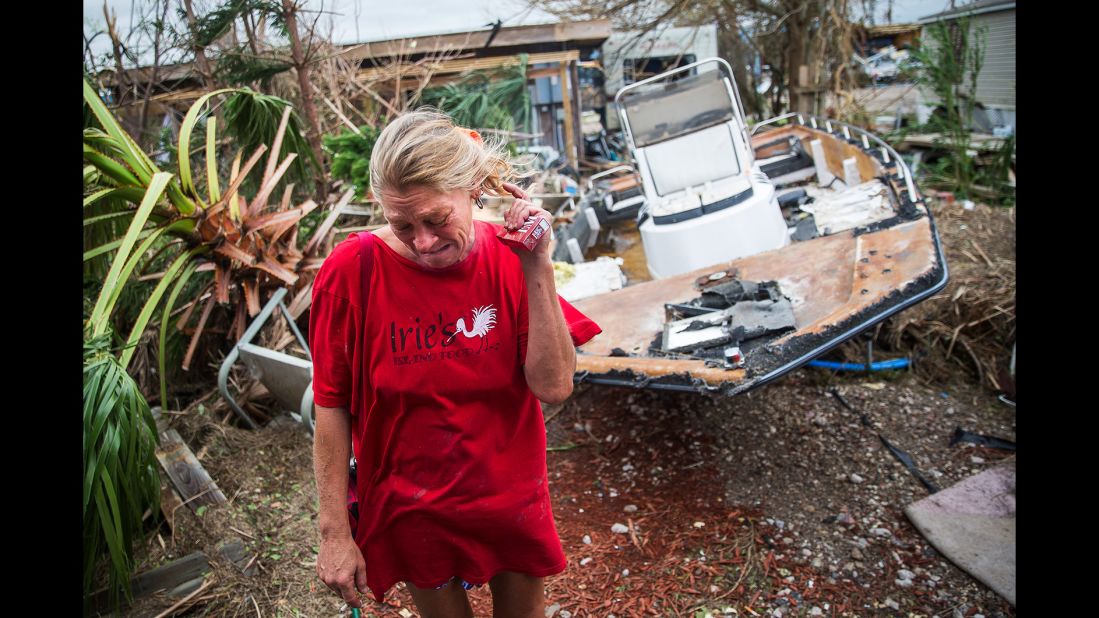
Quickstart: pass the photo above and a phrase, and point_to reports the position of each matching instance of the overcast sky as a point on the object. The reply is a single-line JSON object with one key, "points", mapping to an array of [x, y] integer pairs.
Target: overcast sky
{"points": [[353, 21]]}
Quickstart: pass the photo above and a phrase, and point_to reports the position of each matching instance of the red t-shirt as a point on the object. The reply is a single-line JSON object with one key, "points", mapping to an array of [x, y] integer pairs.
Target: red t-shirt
{"points": [[449, 441]]}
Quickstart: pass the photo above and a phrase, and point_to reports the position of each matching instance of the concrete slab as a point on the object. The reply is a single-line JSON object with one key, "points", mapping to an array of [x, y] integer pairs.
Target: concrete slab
{"points": [[973, 524]]}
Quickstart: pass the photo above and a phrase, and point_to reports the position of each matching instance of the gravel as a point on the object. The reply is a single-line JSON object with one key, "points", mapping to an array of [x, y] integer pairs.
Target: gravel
{"points": [[792, 450]]}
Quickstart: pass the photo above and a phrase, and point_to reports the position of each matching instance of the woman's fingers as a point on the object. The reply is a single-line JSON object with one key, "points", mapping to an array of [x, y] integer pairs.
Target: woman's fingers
{"points": [[518, 213], [515, 191], [520, 208], [360, 575]]}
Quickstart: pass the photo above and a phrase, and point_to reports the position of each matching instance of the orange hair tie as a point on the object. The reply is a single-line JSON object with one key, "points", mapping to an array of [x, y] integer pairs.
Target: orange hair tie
{"points": [[476, 136]]}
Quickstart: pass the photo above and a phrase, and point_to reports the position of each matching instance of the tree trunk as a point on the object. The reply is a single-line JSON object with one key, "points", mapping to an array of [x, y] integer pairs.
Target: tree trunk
{"points": [[731, 46], [151, 84], [116, 47], [796, 33], [201, 62], [302, 69]]}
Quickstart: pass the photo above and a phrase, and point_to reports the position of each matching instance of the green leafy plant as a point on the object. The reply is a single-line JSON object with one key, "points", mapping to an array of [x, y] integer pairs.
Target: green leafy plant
{"points": [[253, 119], [949, 63], [120, 477], [993, 175], [152, 233], [350, 153], [240, 67]]}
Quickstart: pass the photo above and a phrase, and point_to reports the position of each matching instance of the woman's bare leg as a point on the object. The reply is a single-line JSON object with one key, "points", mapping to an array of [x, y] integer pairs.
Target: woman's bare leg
{"points": [[515, 595], [449, 602]]}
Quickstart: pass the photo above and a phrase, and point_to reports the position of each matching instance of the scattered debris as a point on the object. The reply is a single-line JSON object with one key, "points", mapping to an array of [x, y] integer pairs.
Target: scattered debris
{"points": [[732, 312], [961, 435]]}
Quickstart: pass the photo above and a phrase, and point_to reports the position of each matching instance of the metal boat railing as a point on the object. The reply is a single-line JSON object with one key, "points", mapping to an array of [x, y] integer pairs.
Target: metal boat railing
{"points": [[887, 150]]}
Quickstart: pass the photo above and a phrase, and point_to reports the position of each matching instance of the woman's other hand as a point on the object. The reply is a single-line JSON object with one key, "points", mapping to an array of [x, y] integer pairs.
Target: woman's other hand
{"points": [[341, 567]]}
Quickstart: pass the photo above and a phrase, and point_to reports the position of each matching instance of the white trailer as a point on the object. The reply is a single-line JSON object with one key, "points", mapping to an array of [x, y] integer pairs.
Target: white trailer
{"points": [[628, 59]]}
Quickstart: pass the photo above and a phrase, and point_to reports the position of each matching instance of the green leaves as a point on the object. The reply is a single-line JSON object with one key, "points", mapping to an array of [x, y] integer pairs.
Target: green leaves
{"points": [[167, 312], [242, 66], [351, 156], [253, 118], [108, 294], [185, 131], [483, 99], [147, 232], [950, 59], [115, 155], [119, 441], [150, 305]]}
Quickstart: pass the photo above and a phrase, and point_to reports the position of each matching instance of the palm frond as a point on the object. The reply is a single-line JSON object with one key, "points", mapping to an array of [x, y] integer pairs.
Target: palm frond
{"points": [[253, 118], [496, 99], [119, 442]]}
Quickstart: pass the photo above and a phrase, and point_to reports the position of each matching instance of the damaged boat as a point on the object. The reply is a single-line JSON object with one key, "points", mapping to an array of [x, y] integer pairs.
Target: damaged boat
{"points": [[765, 246]]}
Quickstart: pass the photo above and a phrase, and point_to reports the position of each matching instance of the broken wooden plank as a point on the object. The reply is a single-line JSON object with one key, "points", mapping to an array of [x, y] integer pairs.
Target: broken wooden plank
{"points": [[657, 367], [234, 551], [171, 575], [184, 601], [179, 577], [169, 502], [187, 475], [981, 142], [329, 221]]}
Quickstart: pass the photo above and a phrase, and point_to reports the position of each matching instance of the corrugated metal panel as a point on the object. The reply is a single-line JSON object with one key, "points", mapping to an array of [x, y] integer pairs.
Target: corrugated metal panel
{"points": [[979, 7], [996, 83]]}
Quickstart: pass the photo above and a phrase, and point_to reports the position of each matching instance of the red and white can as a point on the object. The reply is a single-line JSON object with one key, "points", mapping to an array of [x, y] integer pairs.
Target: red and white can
{"points": [[534, 229]]}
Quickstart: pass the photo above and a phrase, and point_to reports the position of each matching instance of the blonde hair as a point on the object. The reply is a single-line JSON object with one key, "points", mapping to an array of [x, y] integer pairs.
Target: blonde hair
{"points": [[425, 148]]}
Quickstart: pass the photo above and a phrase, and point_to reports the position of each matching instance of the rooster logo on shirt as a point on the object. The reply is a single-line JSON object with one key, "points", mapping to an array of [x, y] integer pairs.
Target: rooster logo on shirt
{"points": [[484, 319]]}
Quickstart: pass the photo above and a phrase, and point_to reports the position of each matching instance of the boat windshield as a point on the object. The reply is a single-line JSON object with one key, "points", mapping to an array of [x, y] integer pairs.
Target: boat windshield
{"points": [[662, 111]]}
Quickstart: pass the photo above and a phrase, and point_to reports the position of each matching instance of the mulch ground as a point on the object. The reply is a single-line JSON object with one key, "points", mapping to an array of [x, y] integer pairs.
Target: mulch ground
{"points": [[731, 507]]}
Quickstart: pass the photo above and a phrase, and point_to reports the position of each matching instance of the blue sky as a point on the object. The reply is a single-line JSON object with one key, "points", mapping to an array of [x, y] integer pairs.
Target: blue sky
{"points": [[366, 20]]}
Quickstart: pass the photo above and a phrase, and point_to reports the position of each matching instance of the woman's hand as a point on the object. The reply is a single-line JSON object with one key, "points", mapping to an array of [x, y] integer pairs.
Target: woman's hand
{"points": [[341, 567], [514, 218], [340, 564]]}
